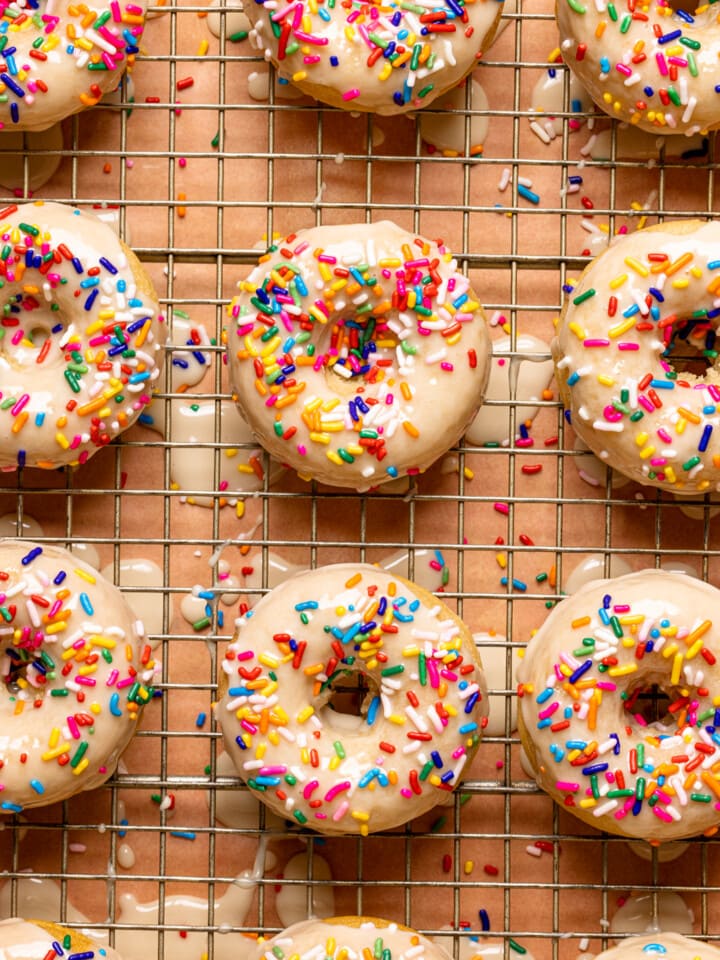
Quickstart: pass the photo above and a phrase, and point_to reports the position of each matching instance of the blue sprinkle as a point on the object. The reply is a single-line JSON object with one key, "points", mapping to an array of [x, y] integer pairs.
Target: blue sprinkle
{"points": [[200, 719], [183, 834], [115, 705], [372, 711], [29, 557], [86, 604], [37, 786], [437, 759], [484, 919], [528, 194], [705, 439]]}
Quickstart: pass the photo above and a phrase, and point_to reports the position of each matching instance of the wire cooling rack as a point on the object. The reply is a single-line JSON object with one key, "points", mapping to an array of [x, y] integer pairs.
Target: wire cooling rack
{"points": [[198, 173]]}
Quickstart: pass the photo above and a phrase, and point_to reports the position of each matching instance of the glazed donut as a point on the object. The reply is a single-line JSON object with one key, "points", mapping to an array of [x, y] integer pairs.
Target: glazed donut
{"points": [[350, 938], [655, 68], [657, 945], [36, 939], [341, 369], [64, 56], [386, 60], [581, 724], [409, 659], [652, 295], [76, 672], [83, 347]]}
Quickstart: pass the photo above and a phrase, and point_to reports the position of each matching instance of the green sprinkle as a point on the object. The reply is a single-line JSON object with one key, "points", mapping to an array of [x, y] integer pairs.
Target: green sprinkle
{"points": [[79, 754], [28, 228], [238, 35], [391, 671], [339, 749], [692, 462], [700, 797], [514, 945], [299, 816], [425, 772], [582, 297], [625, 23], [201, 624]]}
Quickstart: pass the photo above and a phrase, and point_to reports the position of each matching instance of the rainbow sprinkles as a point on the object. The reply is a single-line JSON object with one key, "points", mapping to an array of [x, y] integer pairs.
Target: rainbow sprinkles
{"points": [[76, 671], [386, 58], [582, 688], [61, 57], [358, 353], [636, 357], [648, 62], [81, 336], [423, 699]]}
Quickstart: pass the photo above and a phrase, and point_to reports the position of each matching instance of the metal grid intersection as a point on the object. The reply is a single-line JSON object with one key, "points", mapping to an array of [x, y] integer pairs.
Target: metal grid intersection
{"points": [[274, 167]]}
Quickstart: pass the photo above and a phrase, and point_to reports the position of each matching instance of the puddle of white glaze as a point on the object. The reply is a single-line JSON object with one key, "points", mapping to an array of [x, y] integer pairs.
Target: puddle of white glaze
{"points": [[494, 659], [293, 902], [636, 915], [443, 124], [521, 378]]}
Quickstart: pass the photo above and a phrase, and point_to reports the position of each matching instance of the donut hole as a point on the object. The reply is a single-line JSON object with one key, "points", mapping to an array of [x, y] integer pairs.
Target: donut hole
{"points": [[13, 672], [38, 335], [358, 347], [346, 698], [651, 704], [692, 352], [687, 6]]}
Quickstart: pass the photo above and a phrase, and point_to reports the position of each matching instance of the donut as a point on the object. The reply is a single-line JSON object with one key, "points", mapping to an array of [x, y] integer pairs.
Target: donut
{"points": [[384, 60], [394, 743], [581, 687], [63, 57], [83, 343], [672, 946], [641, 315], [655, 68], [73, 689], [350, 938], [358, 353], [37, 939]]}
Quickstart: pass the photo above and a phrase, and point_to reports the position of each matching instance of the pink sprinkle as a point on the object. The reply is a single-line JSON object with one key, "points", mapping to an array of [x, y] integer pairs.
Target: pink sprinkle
{"points": [[336, 789], [662, 814], [73, 727], [351, 94], [566, 786], [501, 508], [662, 65], [628, 346], [623, 69], [182, 162], [245, 655]]}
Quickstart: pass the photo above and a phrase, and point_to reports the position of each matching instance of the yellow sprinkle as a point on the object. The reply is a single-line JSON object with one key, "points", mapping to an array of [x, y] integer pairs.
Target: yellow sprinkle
{"points": [[620, 328], [85, 575], [623, 670], [55, 752], [618, 281], [305, 713], [638, 267], [676, 668], [81, 766]]}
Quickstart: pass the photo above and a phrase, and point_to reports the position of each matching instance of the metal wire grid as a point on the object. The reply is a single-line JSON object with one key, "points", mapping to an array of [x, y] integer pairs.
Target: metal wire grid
{"points": [[127, 505]]}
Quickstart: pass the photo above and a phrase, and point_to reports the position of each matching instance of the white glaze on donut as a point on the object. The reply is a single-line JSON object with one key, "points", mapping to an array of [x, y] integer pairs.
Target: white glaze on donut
{"points": [[591, 749], [357, 380], [82, 51], [74, 675], [389, 759], [655, 66], [627, 315], [25, 940], [671, 946], [336, 938], [384, 60], [83, 339]]}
